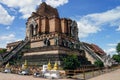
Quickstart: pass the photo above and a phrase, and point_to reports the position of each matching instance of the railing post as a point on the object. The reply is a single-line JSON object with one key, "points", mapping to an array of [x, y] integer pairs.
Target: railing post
{"points": [[99, 70], [84, 73], [93, 72], [74, 76]]}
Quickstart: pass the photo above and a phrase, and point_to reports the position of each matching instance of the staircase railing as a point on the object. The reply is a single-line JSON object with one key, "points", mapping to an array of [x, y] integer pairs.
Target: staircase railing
{"points": [[97, 56], [14, 52], [11, 50], [91, 52]]}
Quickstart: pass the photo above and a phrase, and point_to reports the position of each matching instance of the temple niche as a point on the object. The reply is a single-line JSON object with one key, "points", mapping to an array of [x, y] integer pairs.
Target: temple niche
{"points": [[31, 29]]}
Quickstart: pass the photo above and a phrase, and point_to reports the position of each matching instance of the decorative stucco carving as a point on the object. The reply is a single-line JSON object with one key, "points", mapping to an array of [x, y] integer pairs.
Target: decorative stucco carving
{"points": [[31, 28], [74, 30]]}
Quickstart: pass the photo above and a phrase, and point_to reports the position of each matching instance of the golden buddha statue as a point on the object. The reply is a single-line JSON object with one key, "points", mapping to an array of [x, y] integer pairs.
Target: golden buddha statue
{"points": [[7, 65], [49, 66], [25, 65], [55, 66]]}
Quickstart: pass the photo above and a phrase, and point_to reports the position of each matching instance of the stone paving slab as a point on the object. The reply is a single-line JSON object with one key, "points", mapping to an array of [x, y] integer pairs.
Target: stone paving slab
{"points": [[8, 76], [114, 75]]}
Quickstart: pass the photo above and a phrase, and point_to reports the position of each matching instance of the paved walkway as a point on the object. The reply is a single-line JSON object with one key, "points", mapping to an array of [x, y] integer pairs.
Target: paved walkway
{"points": [[114, 75], [8, 76]]}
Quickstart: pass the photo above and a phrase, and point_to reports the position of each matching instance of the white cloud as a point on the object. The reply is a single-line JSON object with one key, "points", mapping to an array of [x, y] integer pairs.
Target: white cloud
{"points": [[111, 51], [92, 23], [7, 37], [112, 45], [56, 3], [8, 27], [5, 18], [86, 28], [26, 7], [13, 11], [111, 48], [118, 29]]}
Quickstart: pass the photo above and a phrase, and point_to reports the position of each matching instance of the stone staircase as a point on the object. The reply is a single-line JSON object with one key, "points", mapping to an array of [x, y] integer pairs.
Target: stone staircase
{"points": [[14, 52], [92, 53]]}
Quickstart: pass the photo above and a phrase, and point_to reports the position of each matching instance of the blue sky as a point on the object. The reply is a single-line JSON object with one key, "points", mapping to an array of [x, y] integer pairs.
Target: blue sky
{"points": [[98, 20]]}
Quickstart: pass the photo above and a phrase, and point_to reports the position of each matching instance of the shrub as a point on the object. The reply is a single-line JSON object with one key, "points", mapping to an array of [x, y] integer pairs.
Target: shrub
{"points": [[116, 57], [71, 62], [118, 48], [3, 51], [99, 63]]}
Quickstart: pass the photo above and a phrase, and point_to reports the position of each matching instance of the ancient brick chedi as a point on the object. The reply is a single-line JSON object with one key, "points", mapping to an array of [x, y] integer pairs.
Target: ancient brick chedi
{"points": [[51, 37]]}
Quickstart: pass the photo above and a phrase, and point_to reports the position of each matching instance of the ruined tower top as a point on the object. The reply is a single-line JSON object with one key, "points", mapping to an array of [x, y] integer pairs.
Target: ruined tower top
{"points": [[47, 10], [46, 21]]}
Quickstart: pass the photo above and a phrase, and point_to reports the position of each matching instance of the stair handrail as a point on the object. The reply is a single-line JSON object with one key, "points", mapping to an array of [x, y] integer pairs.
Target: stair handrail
{"points": [[96, 54], [90, 51], [23, 43], [12, 50]]}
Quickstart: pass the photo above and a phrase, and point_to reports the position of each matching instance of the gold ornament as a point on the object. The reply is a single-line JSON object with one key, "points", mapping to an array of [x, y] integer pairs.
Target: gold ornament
{"points": [[49, 66], [25, 65], [7, 65], [55, 66]]}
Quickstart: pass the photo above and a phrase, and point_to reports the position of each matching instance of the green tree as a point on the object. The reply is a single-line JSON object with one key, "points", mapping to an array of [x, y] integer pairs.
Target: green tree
{"points": [[118, 48], [116, 57], [99, 63], [2, 51], [71, 62]]}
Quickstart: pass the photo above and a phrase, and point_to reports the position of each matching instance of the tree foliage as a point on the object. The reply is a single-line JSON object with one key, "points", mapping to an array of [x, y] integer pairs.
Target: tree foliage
{"points": [[116, 57], [99, 63], [2, 51], [71, 62], [118, 48]]}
